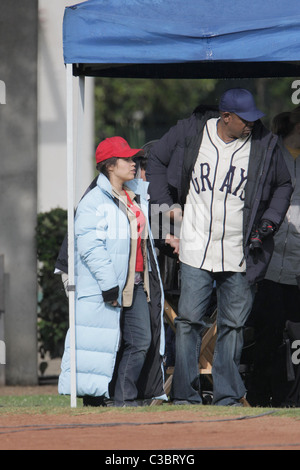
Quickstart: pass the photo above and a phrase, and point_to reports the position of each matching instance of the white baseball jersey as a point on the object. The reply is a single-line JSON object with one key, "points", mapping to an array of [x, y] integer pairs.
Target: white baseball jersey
{"points": [[212, 228]]}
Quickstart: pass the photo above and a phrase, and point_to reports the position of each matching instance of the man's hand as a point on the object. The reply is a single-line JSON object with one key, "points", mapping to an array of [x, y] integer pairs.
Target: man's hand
{"points": [[265, 228], [173, 242]]}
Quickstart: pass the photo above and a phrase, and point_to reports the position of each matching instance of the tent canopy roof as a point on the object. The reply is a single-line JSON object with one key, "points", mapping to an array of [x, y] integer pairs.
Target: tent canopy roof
{"points": [[171, 38]]}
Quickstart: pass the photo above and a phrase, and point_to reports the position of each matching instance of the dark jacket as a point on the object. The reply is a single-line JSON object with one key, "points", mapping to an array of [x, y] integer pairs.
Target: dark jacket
{"points": [[285, 263], [268, 189]]}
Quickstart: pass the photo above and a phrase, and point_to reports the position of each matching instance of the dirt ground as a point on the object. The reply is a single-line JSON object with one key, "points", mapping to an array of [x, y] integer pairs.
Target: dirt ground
{"points": [[183, 432]]}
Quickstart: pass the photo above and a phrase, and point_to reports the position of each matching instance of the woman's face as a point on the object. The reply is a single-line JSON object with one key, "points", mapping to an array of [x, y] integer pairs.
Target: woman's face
{"points": [[124, 170]]}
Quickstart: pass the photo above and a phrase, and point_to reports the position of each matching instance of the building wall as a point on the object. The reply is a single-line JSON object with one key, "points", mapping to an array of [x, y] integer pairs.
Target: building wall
{"points": [[18, 185], [52, 119]]}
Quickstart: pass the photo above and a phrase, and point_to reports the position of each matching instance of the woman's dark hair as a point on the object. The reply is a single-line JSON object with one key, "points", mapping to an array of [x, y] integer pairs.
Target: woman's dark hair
{"points": [[103, 166], [284, 123]]}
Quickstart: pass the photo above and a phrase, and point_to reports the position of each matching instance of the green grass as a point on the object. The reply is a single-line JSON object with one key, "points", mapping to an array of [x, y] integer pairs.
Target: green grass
{"points": [[56, 404], [35, 404]]}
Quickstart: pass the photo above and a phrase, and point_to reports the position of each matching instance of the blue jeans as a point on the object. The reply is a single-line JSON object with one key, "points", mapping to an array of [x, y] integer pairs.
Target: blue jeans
{"points": [[234, 300], [136, 337]]}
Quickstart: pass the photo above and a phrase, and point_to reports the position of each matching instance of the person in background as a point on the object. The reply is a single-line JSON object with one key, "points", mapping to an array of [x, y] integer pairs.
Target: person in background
{"points": [[278, 296], [119, 296], [227, 173]]}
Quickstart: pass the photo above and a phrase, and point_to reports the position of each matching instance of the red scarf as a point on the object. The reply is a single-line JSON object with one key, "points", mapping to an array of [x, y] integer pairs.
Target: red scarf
{"points": [[141, 221]]}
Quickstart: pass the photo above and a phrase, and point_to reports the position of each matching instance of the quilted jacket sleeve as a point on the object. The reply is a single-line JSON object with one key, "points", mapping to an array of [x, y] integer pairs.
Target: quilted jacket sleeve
{"points": [[157, 172], [91, 232], [282, 190], [164, 166]]}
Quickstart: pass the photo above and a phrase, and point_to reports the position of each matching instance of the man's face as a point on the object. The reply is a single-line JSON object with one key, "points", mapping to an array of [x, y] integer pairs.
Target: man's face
{"points": [[237, 127]]}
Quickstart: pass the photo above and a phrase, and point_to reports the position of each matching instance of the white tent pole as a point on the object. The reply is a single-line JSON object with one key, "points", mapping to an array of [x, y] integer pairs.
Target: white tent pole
{"points": [[70, 183], [80, 136]]}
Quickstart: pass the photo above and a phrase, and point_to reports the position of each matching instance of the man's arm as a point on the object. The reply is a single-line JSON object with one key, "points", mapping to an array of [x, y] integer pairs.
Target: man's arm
{"points": [[160, 156], [282, 191]]}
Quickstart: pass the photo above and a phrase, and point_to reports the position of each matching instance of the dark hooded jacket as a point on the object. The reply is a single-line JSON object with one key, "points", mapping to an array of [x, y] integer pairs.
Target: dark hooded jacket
{"points": [[268, 189]]}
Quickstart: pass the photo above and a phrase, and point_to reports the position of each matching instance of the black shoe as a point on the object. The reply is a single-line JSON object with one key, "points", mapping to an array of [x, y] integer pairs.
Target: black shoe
{"points": [[93, 401]]}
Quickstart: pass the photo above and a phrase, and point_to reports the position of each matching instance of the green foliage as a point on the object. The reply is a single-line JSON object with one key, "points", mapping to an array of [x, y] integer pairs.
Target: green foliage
{"points": [[53, 303], [141, 110]]}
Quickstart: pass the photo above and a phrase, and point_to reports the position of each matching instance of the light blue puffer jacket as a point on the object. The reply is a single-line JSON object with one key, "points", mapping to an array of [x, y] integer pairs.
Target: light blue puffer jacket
{"points": [[102, 249]]}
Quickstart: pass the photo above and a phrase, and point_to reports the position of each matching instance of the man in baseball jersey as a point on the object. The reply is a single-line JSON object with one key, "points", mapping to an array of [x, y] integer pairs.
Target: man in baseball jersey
{"points": [[227, 173]]}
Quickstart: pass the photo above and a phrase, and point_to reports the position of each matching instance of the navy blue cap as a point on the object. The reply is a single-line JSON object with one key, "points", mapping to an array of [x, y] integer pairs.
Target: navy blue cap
{"points": [[241, 102]]}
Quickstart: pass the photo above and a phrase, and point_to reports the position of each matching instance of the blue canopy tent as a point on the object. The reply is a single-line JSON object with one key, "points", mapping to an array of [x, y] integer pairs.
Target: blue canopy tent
{"points": [[171, 39]]}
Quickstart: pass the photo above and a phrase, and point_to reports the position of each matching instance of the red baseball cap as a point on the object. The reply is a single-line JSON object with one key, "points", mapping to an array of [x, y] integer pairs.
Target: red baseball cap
{"points": [[115, 147]]}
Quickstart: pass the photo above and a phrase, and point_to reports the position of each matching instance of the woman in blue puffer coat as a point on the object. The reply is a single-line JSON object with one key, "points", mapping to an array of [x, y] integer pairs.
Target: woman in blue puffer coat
{"points": [[119, 294]]}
